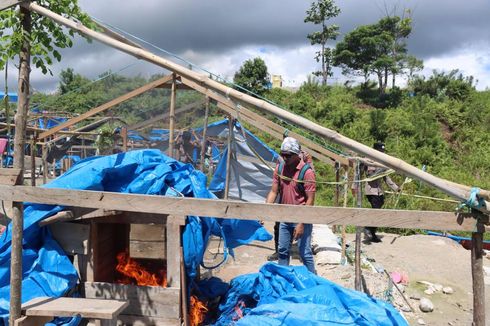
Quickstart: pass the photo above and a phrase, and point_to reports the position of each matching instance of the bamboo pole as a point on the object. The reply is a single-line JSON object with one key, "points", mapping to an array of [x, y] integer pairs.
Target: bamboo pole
{"points": [[357, 281], [204, 133], [19, 142], [171, 136], [477, 275], [33, 161], [45, 163], [229, 144], [455, 190], [346, 189]]}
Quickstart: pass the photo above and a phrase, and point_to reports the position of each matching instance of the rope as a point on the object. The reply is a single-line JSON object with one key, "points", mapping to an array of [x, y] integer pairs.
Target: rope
{"points": [[473, 201], [424, 197]]}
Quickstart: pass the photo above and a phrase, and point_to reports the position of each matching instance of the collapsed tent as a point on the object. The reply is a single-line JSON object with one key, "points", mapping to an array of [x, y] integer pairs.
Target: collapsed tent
{"points": [[251, 160], [291, 295], [47, 271]]}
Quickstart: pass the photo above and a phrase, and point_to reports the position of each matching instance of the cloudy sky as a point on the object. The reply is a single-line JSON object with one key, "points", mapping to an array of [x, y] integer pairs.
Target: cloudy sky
{"points": [[218, 35]]}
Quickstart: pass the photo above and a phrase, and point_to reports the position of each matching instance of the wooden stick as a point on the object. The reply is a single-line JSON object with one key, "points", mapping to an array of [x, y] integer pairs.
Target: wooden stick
{"points": [[45, 163], [171, 136], [183, 290], [19, 143], [229, 145], [124, 135], [58, 217], [346, 188], [357, 281], [455, 191], [33, 161], [204, 133], [477, 276]]}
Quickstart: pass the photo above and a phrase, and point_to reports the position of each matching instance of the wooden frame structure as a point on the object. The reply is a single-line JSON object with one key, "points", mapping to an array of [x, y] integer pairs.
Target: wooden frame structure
{"points": [[236, 104]]}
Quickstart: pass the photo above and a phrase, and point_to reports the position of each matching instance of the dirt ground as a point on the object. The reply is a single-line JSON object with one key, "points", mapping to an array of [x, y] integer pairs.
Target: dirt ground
{"points": [[421, 258]]}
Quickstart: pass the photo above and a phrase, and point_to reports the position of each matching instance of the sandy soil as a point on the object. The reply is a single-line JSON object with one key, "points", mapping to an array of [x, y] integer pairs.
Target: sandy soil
{"points": [[422, 258]]}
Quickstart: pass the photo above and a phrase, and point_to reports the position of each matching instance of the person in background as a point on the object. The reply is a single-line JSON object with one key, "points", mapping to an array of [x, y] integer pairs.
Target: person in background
{"points": [[305, 157], [294, 193], [374, 191], [186, 146]]}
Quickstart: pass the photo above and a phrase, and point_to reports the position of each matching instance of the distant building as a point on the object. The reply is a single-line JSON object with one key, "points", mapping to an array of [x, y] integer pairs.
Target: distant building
{"points": [[276, 81]]}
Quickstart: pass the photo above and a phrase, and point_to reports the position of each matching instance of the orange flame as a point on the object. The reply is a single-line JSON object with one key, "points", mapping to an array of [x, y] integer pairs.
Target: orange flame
{"points": [[197, 312], [136, 274]]}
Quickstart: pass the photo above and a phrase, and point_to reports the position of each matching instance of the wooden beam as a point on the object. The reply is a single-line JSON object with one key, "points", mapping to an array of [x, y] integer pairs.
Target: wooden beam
{"points": [[4, 4], [10, 176], [171, 127], [163, 116], [105, 106], [454, 190], [432, 220], [229, 151]]}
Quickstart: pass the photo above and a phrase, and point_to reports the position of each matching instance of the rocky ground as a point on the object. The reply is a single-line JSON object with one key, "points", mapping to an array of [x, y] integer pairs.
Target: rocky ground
{"points": [[431, 266]]}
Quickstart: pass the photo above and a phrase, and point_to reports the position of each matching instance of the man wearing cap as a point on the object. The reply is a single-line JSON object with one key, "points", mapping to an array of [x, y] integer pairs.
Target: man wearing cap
{"points": [[374, 191], [287, 185]]}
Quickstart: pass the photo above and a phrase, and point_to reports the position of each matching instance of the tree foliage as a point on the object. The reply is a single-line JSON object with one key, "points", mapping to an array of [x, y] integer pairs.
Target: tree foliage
{"points": [[319, 13], [440, 85], [253, 76], [376, 49], [46, 36]]}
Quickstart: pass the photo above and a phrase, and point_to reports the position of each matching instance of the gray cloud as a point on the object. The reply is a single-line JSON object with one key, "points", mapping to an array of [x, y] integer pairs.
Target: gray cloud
{"points": [[219, 27]]}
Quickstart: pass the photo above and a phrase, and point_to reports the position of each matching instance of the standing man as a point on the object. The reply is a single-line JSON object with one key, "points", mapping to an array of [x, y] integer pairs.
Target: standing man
{"points": [[374, 191], [294, 181]]}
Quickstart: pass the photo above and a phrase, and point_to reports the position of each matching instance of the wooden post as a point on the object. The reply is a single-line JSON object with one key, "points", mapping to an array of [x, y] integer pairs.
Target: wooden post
{"points": [[204, 133], [124, 136], [337, 185], [19, 142], [173, 249], [45, 163], [171, 128], [33, 161], [229, 145], [357, 282], [477, 274], [346, 189]]}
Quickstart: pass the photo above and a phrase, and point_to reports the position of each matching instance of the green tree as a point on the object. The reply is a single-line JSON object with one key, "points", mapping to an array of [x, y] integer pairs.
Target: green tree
{"points": [[319, 13], [45, 37], [70, 81], [375, 49], [253, 76]]}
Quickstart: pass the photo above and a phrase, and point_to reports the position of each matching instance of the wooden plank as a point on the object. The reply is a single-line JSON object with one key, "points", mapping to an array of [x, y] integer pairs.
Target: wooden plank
{"points": [[113, 216], [145, 232], [143, 300], [62, 216], [147, 249], [69, 307], [431, 220], [105, 106], [173, 249], [72, 237], [32, 320], [163, 116], [147, 320], [9, 176], [4, 4]]}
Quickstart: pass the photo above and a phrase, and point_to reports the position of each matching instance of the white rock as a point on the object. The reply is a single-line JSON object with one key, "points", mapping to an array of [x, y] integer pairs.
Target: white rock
{"points": [[447, 290], [426, 305], [438, 287], [420, 321], [405, 308], [429, 291]]}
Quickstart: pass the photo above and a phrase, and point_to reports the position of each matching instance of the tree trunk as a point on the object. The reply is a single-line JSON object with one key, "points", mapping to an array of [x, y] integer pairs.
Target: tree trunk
{"points": [[324, 69], [19, 142]]}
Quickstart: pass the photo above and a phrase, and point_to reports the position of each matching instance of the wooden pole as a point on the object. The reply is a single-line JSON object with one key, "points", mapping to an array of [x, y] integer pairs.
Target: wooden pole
{"points": [[124, 136], [45, 163], [171, 136], [19, 142], [33, 161], [229, 145], [204, 133], [455, 190], [357, 282], [346, 189], [477, 275], [337, 185]]}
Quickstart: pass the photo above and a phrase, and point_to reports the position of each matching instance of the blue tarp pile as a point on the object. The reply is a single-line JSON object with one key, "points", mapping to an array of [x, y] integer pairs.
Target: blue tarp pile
{"points": [[287, 295], [47, 271]]}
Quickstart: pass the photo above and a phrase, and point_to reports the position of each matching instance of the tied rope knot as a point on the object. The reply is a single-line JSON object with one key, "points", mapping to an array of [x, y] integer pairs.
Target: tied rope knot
{"points": [[473, 201]]}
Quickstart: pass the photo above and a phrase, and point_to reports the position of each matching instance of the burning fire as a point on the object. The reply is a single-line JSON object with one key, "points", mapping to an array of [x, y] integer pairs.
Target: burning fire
{"points": [[197, 312], [136, 274]]}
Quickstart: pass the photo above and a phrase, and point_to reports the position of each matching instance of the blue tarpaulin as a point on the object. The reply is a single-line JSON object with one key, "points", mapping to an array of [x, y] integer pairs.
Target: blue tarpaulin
{"points": [[291, 295], [47, 271]]}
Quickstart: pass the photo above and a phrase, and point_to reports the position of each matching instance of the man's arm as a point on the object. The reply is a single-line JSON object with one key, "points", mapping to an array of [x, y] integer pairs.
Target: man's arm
{"points": [[271, 197], [391, 184]]}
